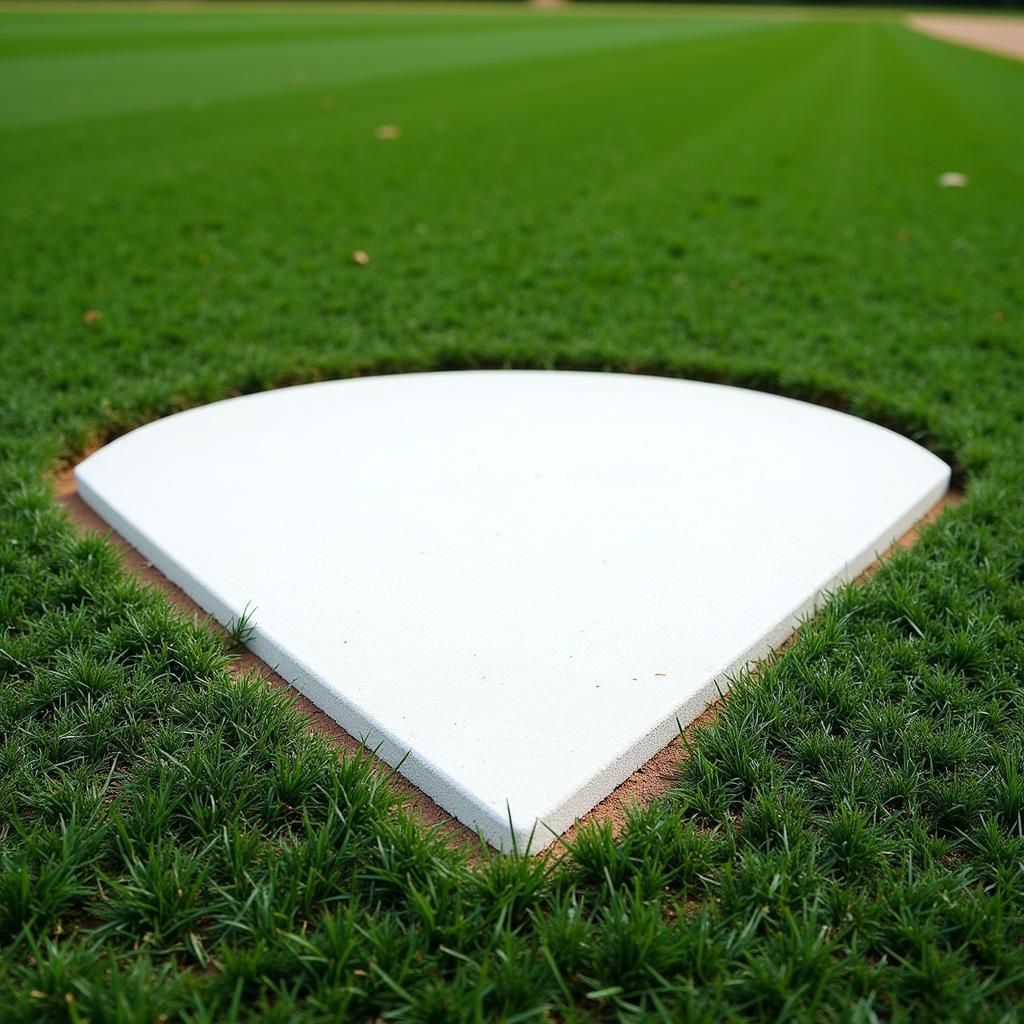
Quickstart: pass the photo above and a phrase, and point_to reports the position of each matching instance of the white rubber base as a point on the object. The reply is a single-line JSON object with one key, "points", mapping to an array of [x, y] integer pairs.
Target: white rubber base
{"points": [[516, 584]]}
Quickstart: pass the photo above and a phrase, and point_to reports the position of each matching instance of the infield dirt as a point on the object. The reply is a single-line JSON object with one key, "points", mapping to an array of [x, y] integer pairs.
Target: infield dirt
{"points": [[1002, 35]]}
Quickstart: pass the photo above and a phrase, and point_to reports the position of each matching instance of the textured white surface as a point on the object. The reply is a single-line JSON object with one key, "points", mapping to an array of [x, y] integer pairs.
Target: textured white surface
{"points": [[519, 582]]}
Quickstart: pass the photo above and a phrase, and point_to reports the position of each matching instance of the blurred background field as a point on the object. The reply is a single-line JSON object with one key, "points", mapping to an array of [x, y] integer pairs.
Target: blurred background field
{"points": [[614, 189]]}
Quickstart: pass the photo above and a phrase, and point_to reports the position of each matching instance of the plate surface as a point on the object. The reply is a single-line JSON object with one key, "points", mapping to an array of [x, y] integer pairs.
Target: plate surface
{"points": [[517, 584]]}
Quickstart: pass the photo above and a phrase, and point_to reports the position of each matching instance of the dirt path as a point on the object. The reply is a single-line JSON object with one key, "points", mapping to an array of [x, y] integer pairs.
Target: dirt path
{"points": [[1002, 35]]}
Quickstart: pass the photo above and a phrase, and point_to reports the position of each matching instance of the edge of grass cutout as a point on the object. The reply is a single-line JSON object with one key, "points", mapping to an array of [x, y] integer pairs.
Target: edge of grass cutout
{"points": [[657, 776]]}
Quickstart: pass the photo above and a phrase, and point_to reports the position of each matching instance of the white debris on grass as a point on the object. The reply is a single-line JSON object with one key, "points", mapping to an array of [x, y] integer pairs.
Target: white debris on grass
{"points": [[952, 179]]}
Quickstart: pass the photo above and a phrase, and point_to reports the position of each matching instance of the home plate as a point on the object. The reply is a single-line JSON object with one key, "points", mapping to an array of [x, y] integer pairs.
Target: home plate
{"points": [[516, 586]]}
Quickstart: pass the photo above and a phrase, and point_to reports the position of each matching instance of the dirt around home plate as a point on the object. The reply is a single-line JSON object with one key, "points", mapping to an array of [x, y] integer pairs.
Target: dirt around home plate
{"points": [[651, 780], [996, 34]]}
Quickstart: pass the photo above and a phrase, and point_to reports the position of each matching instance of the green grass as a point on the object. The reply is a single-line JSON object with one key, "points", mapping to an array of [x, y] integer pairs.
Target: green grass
{"points": [[736, 198]]}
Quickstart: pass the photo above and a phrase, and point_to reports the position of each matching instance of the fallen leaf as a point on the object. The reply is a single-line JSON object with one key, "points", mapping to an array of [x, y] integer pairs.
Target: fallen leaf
{"points": [[360, 257], [90, 316], [387, 131]]}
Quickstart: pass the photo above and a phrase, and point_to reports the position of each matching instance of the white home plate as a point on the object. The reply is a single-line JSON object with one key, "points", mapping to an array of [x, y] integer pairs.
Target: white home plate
{"points": [[516, 584]]}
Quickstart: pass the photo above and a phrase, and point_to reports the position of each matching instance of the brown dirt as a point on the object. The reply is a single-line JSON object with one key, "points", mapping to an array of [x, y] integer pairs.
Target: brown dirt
{"points": [[653, 779], [996, 34]]}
